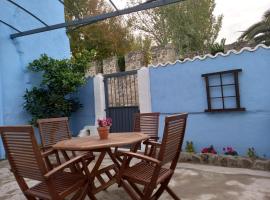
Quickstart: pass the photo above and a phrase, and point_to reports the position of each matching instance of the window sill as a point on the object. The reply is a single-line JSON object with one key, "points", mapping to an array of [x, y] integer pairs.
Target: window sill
{"points": [[226, 110]]}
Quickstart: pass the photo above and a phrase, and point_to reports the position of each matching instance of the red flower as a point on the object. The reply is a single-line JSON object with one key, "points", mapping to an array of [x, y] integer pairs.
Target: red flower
{"points": [[210, 149]]}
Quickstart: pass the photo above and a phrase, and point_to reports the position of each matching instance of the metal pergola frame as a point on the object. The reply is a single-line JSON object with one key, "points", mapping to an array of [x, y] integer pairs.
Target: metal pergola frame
{"points": [[84, 21]]}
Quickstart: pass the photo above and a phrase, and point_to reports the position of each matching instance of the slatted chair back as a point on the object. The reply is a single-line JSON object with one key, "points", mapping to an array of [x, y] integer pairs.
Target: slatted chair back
{"points": [[53, 130], [147, 123], [172, 141], [23, 152], [136, 122]]}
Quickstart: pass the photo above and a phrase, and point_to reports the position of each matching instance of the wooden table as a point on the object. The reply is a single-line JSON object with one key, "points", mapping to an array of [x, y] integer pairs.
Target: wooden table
{"points": [[94, 144]]}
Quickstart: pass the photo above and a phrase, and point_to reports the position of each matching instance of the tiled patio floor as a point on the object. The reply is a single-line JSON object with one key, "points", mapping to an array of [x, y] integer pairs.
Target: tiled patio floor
{"points": [[190, 182]]}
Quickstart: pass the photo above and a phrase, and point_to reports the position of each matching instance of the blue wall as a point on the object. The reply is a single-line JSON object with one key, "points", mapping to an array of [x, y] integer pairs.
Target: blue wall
{"points": [[180, 88], [86, 114], [16, 54]]}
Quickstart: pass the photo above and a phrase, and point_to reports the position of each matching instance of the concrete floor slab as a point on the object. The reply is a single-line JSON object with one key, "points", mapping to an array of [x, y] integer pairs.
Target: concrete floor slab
{"points": [[190, 182]]}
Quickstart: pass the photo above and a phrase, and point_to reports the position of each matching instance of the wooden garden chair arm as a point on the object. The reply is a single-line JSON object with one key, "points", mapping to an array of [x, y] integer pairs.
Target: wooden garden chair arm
{"points": [[48, 152], [141, 156], [80, 158], [151, 139], [154, 143]]}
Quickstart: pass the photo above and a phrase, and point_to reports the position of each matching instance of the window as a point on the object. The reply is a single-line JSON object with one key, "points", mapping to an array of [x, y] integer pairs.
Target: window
{"points": [[222, 90]]}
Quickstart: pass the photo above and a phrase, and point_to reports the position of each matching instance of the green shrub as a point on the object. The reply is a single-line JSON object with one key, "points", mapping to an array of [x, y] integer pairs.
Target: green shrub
{"points": [[218, 47], [251, 153], [190, 147], [60, 78]]}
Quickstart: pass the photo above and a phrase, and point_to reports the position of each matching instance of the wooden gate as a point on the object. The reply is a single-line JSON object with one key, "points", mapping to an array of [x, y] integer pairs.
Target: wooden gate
{"points": [[121, 98]]}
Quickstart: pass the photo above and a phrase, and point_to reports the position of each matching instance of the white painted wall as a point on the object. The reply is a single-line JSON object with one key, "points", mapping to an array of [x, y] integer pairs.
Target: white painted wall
{"points": [[99, 95], [144, 90]]}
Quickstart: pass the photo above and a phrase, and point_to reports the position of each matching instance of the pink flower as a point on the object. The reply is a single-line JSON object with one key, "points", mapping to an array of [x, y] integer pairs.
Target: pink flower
{"points": [[104, 122]]}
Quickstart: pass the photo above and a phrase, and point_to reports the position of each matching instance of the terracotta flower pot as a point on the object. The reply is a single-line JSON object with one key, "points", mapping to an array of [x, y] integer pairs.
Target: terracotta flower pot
{"points": [[103, 132]]}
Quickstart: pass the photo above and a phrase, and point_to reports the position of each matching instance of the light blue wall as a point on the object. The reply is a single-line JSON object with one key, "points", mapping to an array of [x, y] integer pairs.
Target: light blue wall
{"points": [[180, 88], [16, 54], [86, 114]]}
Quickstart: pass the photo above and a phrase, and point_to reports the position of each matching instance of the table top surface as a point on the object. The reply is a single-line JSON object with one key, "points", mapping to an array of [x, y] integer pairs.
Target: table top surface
{"points": [[93, 142]]}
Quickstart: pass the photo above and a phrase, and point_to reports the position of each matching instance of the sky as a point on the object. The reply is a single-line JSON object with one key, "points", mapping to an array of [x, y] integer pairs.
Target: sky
{"points": [[238, 15]]}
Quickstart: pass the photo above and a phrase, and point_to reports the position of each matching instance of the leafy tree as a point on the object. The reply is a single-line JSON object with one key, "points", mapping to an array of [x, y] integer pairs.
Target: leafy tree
{"points": [[144, 45], [108, 38], [153, 24], [190, 25], [60, 78], [258, 32]]}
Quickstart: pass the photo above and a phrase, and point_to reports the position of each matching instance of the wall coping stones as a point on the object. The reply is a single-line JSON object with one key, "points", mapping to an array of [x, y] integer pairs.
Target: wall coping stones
{"points": [[233, 51]]}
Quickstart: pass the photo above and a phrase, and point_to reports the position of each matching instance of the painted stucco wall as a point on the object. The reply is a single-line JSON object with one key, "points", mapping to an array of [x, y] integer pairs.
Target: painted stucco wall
{"points": [[17, 53], [180, 88], [85, 116]]}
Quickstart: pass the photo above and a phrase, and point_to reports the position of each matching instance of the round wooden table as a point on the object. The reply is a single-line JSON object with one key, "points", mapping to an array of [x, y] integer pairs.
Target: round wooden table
{"points": [[94, 144], [90, 143]]}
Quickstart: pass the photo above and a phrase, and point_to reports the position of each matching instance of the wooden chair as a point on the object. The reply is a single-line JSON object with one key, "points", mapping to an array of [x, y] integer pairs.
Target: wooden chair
{"points": [[147, 123], [53, 130], [152, 172], [26, 161]]}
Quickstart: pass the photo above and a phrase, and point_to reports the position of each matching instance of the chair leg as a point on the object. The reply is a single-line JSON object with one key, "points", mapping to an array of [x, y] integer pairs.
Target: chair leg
{"points": [[174, 196], [77, 194], [148, 191], [84, 192], [133, 195], [161, 189], [28, 197], [90, 194], [136, 189]]}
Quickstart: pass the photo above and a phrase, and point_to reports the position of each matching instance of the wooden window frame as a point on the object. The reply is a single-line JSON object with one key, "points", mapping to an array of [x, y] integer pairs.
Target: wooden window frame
{"points": [[234, 73]]}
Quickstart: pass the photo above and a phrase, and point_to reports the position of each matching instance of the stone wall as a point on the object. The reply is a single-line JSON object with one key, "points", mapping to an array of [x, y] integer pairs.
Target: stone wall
{"points": [[163, 55], [134, 60], [110, 65], [225, 161], [95, 67]]}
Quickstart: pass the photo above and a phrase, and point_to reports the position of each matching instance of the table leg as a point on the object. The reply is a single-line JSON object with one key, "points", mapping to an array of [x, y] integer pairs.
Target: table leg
{"points": [[96, 173], [113, 157], [66, 157]]}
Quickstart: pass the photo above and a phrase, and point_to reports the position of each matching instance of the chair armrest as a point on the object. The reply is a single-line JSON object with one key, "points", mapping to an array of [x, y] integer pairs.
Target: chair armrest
{"points": [[142, 157], [67, 164], [154, 139], [48, 152], [154, 143]]}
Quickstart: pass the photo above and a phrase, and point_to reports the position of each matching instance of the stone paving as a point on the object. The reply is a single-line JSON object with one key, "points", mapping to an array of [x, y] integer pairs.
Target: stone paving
{"points": [[190, 182]]}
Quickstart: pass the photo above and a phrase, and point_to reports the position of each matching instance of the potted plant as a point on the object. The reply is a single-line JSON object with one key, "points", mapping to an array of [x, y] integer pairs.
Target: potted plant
{"points": [[104, 127]]}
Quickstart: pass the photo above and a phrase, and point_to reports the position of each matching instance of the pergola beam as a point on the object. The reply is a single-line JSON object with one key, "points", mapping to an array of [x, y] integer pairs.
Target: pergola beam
{"points": [[113, 5], [94, 19], [10, 26], [62, 2], [28, 12]]}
